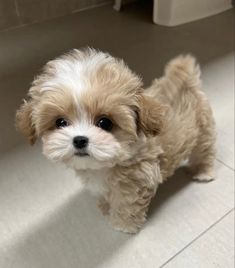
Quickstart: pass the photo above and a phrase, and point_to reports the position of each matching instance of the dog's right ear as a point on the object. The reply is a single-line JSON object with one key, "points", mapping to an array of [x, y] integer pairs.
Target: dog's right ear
{"points": [[151, 115], [24, 121]]}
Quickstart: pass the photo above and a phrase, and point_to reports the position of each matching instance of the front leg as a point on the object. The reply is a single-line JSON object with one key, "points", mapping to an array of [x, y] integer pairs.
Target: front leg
{"points": [[131, 192], [128, 214]]}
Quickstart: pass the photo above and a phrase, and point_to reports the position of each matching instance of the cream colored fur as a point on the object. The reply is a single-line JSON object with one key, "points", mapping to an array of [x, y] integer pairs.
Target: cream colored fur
{"points": [[154, 129]]}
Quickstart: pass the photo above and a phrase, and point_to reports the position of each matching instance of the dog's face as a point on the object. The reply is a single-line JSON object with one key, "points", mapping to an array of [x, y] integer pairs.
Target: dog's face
{"points": [[89, 110]]}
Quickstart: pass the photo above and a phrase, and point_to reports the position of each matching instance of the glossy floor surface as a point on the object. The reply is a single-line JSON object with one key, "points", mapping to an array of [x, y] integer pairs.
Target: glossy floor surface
{"points": [[47, 220]]}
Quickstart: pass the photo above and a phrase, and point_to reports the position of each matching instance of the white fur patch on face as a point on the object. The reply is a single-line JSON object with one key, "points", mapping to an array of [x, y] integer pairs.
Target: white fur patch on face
{"points": [[74, 74], [103, 149]]}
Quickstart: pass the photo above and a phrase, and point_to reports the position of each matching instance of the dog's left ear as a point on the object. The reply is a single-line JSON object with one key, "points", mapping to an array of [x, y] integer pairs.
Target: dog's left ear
{"points": [[150, 115]]}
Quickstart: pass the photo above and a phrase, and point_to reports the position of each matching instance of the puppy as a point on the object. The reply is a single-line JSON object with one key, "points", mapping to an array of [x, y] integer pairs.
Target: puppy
{"points": [[93, 114]]}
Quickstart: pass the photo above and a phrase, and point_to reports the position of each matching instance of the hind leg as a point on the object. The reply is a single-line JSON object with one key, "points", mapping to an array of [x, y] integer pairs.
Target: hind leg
{"points": [[201, 161]]}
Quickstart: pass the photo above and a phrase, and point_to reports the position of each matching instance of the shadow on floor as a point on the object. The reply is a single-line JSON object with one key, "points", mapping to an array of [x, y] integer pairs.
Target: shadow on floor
{"points": [[74, 236], [77, 235], [178, 182]]}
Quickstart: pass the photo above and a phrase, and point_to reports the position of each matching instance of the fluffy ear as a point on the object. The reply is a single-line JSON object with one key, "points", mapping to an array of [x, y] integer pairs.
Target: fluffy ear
{"points": [[24, 121], [150, 115]]}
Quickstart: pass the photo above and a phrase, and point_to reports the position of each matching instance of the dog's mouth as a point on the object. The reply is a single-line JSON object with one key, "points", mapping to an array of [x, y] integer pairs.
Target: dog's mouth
{"points": [[81, 153]]}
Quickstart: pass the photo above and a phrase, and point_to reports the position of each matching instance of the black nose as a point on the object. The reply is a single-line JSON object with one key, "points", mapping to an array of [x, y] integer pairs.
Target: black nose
{"points": [[80, 142]]}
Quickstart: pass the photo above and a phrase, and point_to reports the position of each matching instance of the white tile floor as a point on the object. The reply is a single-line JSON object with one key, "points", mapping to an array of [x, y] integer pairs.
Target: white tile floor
{"points": [[47, 221]]}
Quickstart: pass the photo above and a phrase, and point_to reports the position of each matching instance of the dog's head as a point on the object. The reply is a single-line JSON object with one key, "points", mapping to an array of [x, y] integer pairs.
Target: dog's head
{"points": [[89, 110]]}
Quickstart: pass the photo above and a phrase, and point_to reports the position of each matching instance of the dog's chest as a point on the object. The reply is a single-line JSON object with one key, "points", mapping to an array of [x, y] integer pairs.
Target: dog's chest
{"points": [[95, 181]]}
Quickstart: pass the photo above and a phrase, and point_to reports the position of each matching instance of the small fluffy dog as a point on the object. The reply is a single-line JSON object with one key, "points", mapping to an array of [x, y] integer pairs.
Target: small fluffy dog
{"points": [[122, 140]]}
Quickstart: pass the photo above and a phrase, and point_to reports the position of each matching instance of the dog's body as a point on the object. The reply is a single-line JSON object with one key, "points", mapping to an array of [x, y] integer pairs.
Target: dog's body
{"points": [[137, 138]]}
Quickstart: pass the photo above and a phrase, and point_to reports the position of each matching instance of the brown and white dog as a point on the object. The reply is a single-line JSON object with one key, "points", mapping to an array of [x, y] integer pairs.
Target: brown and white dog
{"points": [[122, 140]]}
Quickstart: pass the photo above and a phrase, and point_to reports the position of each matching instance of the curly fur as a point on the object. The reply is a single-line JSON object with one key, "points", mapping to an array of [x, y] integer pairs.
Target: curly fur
{"points": [[154, 129]]}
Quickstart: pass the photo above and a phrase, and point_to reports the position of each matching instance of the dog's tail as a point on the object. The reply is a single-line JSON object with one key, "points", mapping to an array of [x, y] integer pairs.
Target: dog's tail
{"points": [[184, 72]]}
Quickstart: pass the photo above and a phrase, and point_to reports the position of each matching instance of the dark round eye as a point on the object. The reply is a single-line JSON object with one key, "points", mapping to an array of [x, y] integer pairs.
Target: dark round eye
{"points": [[105, 123], [61, 122]]}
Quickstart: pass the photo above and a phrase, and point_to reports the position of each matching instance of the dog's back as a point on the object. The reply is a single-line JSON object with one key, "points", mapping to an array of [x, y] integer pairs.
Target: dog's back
{"points": [[189, 121]]}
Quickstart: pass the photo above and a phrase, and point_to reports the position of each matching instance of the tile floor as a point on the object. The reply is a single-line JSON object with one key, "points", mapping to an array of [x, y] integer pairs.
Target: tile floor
{"points": [[47, 221]]}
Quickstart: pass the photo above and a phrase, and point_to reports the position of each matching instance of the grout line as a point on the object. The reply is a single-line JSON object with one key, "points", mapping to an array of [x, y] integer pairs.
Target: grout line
{"points": [[196, 238], [105, 3], [17, 11], [225, 164]]}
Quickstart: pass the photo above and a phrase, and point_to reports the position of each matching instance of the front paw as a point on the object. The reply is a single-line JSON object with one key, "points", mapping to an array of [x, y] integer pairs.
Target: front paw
{"points": [[126, 226]]}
